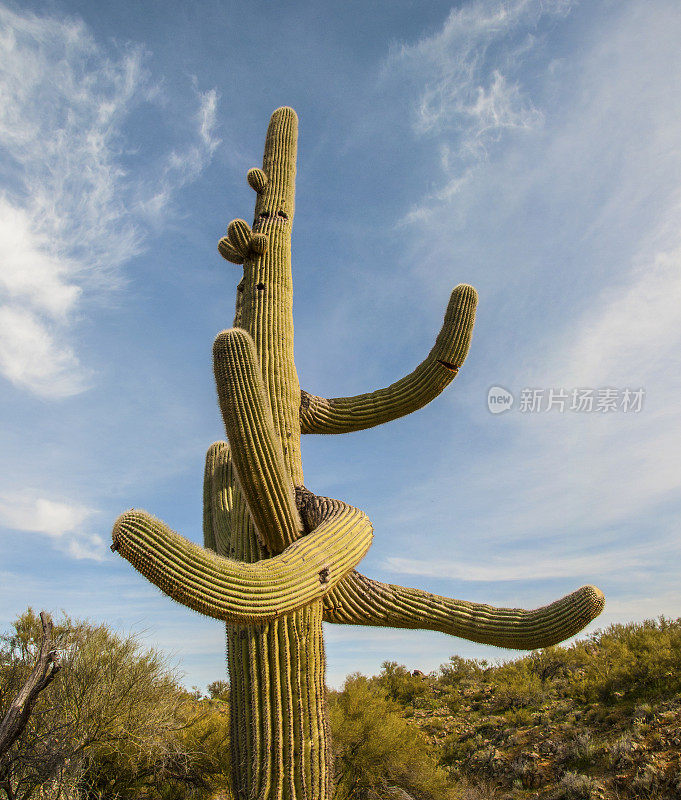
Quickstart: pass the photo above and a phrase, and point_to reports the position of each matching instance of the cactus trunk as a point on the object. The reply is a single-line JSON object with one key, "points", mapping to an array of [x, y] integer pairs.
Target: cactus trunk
{"points": [[279, 737]]}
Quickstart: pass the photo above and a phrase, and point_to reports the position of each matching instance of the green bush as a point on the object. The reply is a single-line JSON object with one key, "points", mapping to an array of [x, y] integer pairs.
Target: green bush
{"points": [[515, 685], [574, 786], [637, 661], [459, 671], [114, 723], [400, 685], [457, 751], [377, 753]]}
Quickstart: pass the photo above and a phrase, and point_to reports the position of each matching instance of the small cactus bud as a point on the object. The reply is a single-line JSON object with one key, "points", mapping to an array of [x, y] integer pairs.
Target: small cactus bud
{"points": [[257, 180], [239, 235], [227, 251], [259, 243]]}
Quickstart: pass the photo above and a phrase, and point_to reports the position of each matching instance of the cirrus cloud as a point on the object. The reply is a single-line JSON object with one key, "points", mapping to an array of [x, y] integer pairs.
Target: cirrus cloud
{"points": [[72, 213]]}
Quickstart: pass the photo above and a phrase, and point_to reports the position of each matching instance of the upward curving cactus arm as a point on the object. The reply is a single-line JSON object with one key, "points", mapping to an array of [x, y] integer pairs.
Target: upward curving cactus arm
{"points": [[358, 600], [256, 451], [435, 373], [214, 461], [240, 592]]}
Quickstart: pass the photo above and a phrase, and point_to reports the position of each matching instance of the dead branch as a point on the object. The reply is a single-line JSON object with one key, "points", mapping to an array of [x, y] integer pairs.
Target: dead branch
{"points": [[42, 674]]}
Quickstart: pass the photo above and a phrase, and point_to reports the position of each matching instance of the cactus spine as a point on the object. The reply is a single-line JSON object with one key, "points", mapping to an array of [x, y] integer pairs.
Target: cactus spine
{"points": [[277, 559]]}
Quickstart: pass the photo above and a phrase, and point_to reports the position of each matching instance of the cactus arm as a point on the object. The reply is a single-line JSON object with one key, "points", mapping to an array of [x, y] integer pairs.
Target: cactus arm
{"points": [[256, 451], [358, 600], [220, 511], [212, 456], [437, 371], [236, 591]]}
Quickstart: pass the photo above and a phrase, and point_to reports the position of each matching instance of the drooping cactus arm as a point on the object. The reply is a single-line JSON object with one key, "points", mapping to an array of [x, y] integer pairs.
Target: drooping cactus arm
{"points": [[255, 448], [358, 600], [438, 370], [236, 591]]}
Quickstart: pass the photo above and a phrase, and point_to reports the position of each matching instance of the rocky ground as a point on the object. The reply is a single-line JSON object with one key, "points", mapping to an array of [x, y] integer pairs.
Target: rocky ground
{"points": [[562, 752], [599, 720]]}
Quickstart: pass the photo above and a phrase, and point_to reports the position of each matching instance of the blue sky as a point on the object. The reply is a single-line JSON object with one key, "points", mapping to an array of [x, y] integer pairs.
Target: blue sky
{"points": [[529, 148]]}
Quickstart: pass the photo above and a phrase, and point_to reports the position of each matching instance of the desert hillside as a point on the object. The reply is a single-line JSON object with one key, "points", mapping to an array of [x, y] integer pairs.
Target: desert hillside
{"points": [[601, 718]]}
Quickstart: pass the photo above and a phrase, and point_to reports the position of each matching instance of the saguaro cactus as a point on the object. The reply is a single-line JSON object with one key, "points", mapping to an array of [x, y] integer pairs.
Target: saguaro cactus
{"points": [[277, 559]]}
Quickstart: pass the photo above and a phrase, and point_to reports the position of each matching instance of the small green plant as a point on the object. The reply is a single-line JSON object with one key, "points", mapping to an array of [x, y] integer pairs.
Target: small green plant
{"points": [[376, 751], [400, 685], [575, 786]]}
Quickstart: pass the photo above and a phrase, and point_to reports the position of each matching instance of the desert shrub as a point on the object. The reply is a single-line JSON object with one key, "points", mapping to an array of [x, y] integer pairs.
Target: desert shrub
{"points": [[518, 717], [642, 713], [377, 753], [115, 722], [621, 752], [202, 740], [636, 661], [653, 782], [219, 690], [580, 752], [515, 686], [457, 751], [459, 671], [549, 663], [574, 786], [400, 685]]}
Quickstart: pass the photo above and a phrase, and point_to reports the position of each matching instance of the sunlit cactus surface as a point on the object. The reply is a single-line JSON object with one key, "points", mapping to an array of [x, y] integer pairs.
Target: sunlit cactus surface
{"points": [[277, 559]]}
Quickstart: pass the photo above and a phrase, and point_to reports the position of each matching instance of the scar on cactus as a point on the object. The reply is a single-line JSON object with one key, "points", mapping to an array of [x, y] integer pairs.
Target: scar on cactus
{"points": [[277, 559]]}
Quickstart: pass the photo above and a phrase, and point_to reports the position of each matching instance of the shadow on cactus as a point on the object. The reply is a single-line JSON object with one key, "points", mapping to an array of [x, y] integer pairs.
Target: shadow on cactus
{"points": [[277, 559]]}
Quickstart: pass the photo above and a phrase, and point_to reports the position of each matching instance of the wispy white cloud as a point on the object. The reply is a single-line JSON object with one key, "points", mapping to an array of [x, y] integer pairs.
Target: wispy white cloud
{"points": [[467, 73], [183, 166], [207, 122], [520, 567], [500, 106], [34, 356], [87, 546], [60, 521], [72, 214], [31, 272], [54, 518]]}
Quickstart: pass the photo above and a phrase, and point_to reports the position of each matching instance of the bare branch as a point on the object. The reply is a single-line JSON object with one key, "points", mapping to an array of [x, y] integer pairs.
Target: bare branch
{"points": [[42, 674]]}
